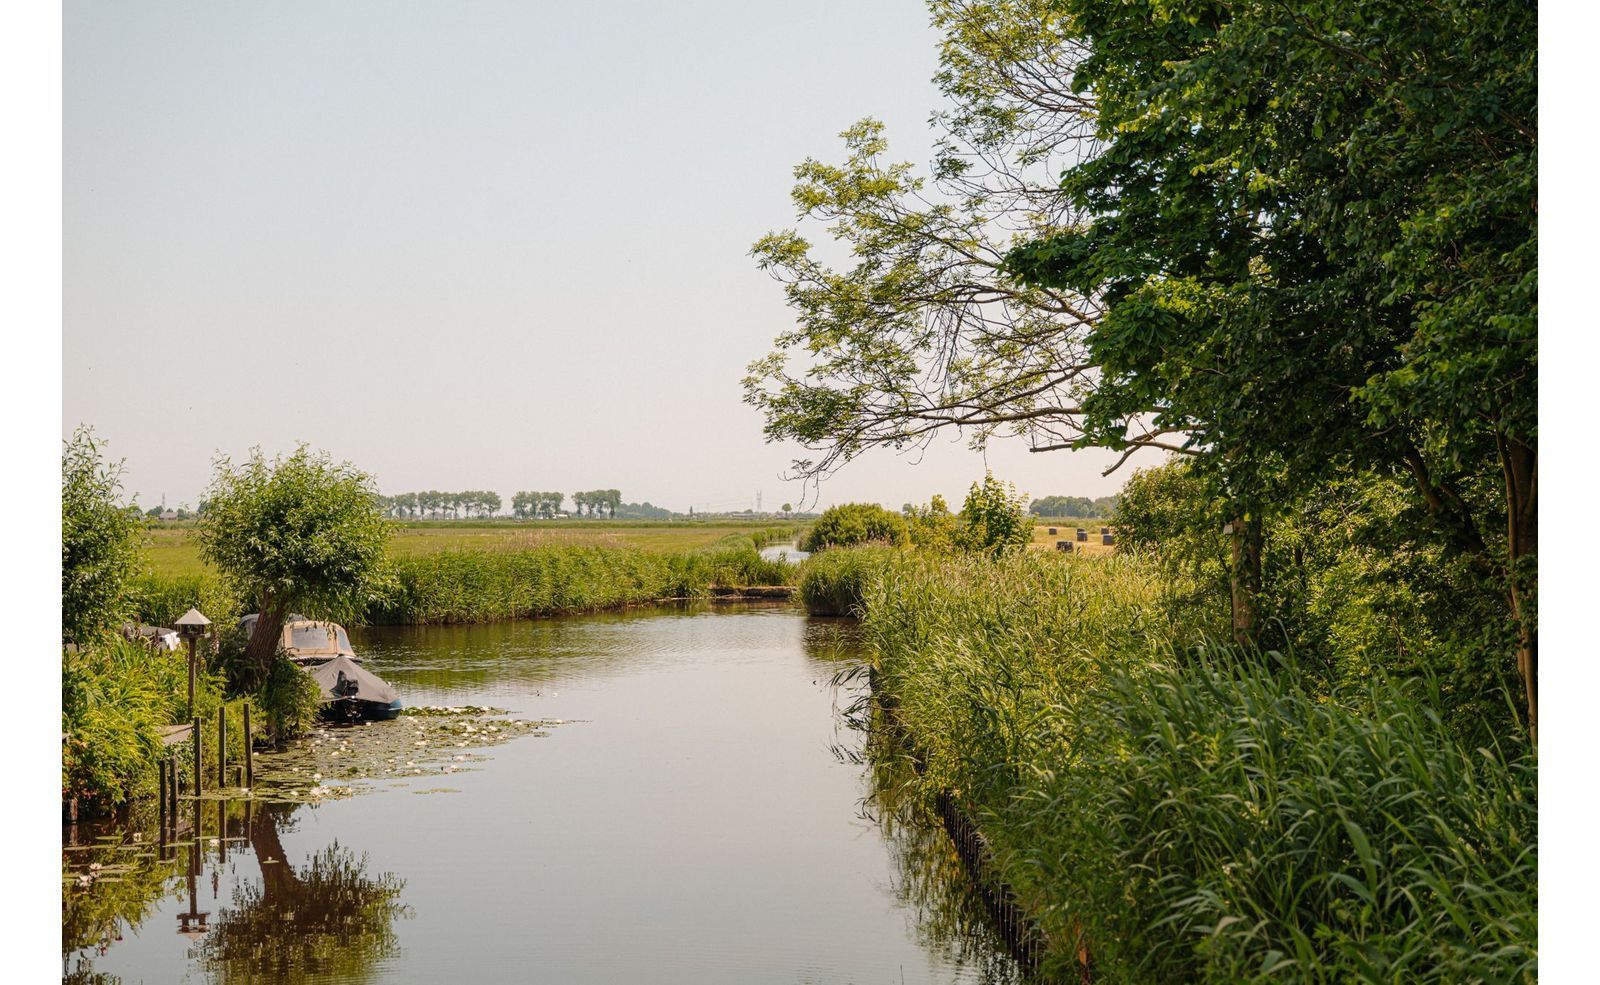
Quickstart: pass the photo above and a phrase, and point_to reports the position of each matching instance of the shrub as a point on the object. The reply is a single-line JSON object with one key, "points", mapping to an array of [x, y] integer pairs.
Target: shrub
{"points": [[856, 523], [993, 519], [932, 527], [289, 700]]}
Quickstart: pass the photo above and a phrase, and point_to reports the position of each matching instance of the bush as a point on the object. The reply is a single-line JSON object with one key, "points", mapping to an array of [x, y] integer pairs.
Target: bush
{"points": [[833, 583], [993, 519], [115, 696], [289, 700], [856, 523], [932, 527]]}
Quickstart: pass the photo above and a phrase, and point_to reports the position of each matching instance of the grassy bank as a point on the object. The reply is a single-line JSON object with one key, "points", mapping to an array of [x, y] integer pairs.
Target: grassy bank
{"points": [[478, 585], [1201, 814]]}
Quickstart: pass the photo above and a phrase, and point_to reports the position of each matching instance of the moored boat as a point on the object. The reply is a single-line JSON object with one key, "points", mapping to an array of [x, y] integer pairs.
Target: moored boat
{"points": [[350, 692]]}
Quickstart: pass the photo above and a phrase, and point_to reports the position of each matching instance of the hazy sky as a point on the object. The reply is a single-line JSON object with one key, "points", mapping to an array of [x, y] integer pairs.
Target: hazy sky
{"points": [[468, 244]]}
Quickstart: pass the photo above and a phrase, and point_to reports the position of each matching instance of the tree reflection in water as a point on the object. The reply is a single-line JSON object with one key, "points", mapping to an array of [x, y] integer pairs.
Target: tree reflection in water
{"points": [[331, 919]]}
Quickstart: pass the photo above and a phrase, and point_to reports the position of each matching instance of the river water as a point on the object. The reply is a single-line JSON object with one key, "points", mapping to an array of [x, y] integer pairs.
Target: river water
{"points": [[702, 813]]}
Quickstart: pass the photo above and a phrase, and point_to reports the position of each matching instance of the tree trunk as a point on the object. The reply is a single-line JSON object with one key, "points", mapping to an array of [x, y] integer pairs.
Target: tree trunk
{"points": [[1520, 463], [1244, 580], [262, 647]]}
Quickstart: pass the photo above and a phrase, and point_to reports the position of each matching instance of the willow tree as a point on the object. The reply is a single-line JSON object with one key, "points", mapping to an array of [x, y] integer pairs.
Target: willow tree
{"points": [[326, 918], [296, 534]]}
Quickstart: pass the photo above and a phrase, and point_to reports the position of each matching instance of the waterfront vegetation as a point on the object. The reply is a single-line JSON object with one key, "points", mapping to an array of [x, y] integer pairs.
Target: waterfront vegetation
{"points": [[1191, 811], [478, 586], [503, 571]]}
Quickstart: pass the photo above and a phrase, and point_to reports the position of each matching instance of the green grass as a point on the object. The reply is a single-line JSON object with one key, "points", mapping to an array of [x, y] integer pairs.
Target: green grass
{"points": [[174, 549], [1199, 814], [478, 584], [833, 582]]}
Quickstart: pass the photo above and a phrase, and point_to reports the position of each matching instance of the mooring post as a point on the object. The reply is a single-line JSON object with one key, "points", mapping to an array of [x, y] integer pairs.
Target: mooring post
{"points": [[195, 731], [161, 813], [249, 743], [222, 746]]}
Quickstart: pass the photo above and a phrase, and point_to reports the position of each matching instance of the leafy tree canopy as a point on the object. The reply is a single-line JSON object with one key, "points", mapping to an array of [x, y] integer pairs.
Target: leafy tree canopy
{"points": [[855, 523], [300, 533], [100, 541]]}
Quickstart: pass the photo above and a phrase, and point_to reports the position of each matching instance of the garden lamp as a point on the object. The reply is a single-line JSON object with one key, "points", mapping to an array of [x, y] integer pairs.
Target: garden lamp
{"points": [[192, 626]]}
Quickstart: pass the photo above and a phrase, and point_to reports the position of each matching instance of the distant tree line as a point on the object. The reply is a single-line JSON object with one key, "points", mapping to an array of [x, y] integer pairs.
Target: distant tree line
{"points": [[1075, 506], [597, 502], [527, 505], [436, 505], [594, 502]]}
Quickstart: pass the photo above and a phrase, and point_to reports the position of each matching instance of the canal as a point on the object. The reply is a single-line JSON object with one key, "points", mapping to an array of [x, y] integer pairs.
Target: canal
{"points": [[699, 809]]}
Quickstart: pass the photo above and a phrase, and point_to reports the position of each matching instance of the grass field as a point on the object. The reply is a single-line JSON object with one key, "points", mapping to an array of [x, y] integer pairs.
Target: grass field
{"points": [[174, 550], [1043, 540]]}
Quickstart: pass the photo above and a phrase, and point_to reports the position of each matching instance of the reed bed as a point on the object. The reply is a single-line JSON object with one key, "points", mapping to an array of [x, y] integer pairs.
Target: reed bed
{"points": [[482, 586], [1195, 813], [833, 582]]}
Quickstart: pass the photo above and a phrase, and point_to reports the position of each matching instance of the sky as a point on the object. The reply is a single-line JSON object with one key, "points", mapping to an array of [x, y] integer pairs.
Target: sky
{"points": [[469, 245]]}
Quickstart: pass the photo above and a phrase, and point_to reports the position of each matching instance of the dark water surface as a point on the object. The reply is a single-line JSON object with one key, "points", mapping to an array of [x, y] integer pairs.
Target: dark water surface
{"points": [[701, 815]]}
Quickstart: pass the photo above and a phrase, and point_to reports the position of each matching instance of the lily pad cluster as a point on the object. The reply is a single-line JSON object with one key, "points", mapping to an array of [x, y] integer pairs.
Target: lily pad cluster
{"points": [[337, 761]]}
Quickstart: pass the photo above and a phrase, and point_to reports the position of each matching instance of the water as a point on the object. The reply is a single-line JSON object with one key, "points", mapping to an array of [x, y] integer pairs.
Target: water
{"points": [[704, 814], [779, 552]]}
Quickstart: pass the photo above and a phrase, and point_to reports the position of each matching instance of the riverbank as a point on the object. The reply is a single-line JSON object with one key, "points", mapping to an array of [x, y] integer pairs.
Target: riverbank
{"points": [[480, 585], [1188, 812]]}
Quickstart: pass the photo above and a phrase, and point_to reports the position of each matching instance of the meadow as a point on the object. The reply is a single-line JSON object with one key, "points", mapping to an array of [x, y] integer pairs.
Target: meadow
{"points": [[1066, 529], [173, 549]]}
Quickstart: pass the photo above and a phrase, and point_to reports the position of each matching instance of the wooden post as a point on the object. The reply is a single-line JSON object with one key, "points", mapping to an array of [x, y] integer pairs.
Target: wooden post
{"points": [[222, 746], [161, 814], [196, 733], [249, 755], [191, 676]]}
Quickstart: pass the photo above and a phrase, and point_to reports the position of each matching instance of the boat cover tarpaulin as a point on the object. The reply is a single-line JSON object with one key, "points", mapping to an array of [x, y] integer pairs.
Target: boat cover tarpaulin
{"points": [[342, 678]]}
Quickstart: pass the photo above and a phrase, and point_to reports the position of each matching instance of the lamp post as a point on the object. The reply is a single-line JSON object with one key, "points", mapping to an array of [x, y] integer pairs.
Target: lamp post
{"points": [[192, 627]]}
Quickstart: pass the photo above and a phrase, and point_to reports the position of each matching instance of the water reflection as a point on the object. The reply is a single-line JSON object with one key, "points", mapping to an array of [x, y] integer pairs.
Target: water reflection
{"points": [[945, 912], [691, 827], [328, 918]]}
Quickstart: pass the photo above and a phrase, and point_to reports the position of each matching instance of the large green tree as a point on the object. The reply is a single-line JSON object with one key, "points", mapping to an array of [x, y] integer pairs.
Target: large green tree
{"points": [[1312, 231], [924, 330], [99, 541], [300, 533]]}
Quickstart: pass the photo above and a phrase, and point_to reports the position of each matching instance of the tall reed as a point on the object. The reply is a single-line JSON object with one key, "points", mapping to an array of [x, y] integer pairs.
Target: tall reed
{"points": [[1196, 813]]}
